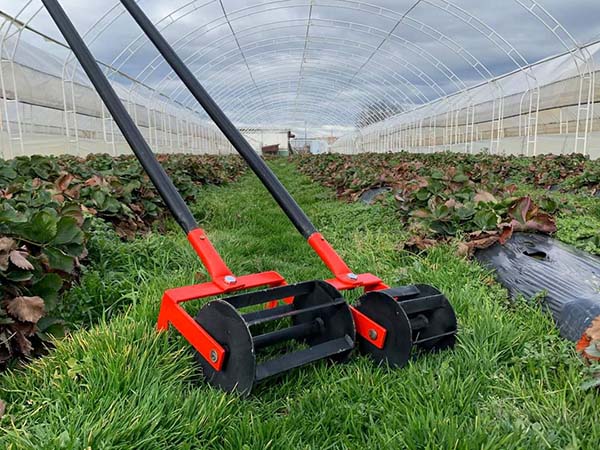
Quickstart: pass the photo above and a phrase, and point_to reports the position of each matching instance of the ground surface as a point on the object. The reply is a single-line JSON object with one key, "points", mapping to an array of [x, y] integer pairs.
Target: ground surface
{"points": [[510, 383]]}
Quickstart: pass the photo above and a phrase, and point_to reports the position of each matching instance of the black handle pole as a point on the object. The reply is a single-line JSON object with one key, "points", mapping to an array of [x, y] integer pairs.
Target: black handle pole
{"points": [[132, 134], [268, 178]]}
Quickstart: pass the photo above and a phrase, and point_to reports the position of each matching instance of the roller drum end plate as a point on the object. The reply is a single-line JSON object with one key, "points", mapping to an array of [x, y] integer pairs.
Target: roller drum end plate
{"points": [[225, 324], [386, 312]]}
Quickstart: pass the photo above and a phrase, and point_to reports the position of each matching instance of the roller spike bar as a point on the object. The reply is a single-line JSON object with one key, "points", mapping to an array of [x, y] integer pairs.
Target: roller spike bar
{"points": [[242, 335]]}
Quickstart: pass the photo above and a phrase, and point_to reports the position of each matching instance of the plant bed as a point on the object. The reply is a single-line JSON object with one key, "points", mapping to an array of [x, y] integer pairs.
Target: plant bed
{"points": [[47, 208], [442, 196]]}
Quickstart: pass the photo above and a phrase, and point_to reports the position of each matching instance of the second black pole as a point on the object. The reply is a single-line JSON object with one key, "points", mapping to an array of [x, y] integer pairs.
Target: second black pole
{"points": [[266, 176]]}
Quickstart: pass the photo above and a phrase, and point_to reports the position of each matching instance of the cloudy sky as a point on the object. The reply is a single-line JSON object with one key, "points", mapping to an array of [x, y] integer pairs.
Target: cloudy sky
{"points": [[331, 63]]}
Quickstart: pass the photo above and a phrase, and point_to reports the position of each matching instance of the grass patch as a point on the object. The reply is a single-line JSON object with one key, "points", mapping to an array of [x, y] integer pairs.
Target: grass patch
{"points": [[510, 383]]}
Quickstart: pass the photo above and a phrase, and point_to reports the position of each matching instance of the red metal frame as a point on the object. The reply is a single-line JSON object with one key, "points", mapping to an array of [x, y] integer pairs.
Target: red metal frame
{"points": [[224, 281], [344, 280]]}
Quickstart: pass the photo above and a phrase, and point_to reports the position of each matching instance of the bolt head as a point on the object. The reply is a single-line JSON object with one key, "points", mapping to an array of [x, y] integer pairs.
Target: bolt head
{"points": [[229, 279], [372, 334], [214, 356], [353, 276]]}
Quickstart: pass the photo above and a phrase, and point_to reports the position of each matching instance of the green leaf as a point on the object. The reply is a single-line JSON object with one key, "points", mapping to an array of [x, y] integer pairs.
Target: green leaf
{"points": [[75, 250], [422, 194], [48, 288], [7, 173], [99, 198], [590, 384], [460, 178], [73, 210], [10, 214], [548, 204], [486, 220], [465, 213], [112, 205], [68, 232], [437, 175], [18, 276], [441, 212], [42, 227], [4, 320], [520, 209], [51, 327], [57, 260]]}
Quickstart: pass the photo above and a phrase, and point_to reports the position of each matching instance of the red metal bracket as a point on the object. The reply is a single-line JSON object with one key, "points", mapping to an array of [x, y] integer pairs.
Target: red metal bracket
{"points": [[332, 260], [171, 312], [369, 329], [345, 279], [215, 266], [223, 281]]}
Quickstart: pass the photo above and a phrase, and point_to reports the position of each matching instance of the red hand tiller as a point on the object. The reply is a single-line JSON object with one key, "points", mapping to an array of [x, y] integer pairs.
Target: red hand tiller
{"points": [[230, 335]]}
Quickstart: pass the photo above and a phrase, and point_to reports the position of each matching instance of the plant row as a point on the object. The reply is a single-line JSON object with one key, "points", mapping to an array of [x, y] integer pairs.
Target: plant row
{"points": [[47, 207], [444, 195]]}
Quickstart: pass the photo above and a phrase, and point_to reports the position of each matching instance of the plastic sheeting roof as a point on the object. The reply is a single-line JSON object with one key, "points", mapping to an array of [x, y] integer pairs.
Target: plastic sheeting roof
{"points": [[329, 64]]}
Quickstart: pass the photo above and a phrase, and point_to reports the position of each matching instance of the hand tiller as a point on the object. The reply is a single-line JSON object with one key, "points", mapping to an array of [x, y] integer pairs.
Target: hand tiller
{"points": [[231, 336]]}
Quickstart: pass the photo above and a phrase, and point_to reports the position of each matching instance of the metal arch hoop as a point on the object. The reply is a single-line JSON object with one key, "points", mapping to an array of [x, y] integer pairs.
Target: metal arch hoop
{"points": [[529, 104]]}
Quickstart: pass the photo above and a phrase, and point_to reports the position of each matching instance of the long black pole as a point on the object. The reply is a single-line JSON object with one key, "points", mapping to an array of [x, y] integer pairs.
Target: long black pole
{"points": [[134, 137], [268, 178]]}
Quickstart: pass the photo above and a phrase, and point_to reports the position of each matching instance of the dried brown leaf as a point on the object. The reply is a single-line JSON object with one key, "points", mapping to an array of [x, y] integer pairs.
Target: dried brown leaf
{"points": [[73, 192], [593, 332], [63, 182], [19, 259], [27, 329], [506, 232], [484, 241], [421, 213], [463, 249], [27, 309], [7, 244], [451, 203], [24, 345], [95, 181], [520, 209], [91, 211], [420, 242], [542, 222], [484, 197]]}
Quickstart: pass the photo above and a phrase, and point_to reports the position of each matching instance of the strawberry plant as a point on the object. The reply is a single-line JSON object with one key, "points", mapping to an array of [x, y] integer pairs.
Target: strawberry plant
{"points": [[46, 205], [40, 253], [443, 195]]}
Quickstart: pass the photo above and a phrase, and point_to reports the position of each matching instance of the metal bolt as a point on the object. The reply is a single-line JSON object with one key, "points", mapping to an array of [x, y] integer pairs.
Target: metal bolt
{"points": [[352, 276], [230, 279], [214, 356], [372, 334]]}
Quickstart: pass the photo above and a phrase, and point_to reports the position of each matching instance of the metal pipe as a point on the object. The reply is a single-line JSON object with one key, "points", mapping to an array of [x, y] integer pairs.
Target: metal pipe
{"points": [[258, 166], [134, 137], [287, 334]]}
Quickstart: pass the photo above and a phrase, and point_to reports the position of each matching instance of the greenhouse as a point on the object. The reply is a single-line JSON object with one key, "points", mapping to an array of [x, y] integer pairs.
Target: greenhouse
{"points": [[252, 224]]}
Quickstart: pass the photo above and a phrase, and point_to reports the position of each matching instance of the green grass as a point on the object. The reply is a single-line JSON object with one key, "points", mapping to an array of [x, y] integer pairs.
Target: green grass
{"points": [[577, 216], [511, 383]]}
